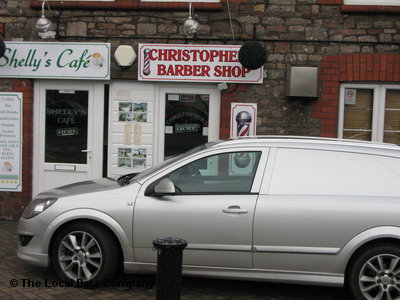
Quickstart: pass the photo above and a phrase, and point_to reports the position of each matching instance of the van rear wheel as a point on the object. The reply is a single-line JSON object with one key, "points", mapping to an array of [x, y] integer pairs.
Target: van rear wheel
{"points": [[375, 274]]}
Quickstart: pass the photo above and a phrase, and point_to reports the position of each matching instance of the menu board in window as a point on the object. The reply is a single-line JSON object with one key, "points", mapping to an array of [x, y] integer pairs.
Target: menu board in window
{"points": [[10, 141]]}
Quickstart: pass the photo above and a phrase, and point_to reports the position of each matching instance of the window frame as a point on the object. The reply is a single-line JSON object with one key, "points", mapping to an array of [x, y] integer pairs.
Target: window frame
{"points": [[258, 154], [378, 108], [258, 177], [374, 2]]}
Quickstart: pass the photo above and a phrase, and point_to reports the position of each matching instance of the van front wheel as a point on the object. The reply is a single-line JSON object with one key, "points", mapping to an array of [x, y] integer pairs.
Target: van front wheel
{"points": [[85, 253]]}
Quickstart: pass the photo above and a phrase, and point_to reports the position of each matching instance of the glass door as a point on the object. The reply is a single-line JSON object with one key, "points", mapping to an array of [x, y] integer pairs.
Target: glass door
{"points": [[68, 133], [188, 117], [66, 127], [186, 122]]}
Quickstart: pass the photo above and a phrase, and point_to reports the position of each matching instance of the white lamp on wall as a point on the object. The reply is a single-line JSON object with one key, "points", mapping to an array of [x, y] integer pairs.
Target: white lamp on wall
{"points": [[191, 26], [43, 25]]}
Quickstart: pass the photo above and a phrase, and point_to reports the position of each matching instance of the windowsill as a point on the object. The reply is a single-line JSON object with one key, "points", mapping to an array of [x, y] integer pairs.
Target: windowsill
{"points": [[125, 5], [360, 9]]}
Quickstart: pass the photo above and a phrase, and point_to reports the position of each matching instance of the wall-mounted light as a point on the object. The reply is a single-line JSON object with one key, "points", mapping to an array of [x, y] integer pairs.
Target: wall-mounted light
{"points": [[191, 25], [43, 25]]}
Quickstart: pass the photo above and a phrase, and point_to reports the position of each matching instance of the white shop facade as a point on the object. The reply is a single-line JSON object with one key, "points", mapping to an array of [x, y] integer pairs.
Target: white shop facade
{"points": [[87, 124]]}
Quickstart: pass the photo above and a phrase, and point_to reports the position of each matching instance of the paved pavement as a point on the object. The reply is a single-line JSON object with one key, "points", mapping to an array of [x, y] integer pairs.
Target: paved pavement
{"points": [[39, 283]]}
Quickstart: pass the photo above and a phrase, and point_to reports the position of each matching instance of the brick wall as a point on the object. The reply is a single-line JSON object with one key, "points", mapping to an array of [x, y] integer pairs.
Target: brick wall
{"points": [[11, 203], [350, 68], [129, 5]]}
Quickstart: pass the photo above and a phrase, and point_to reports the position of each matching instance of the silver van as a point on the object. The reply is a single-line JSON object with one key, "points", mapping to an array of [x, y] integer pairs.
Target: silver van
{"points": [[281, 209]]}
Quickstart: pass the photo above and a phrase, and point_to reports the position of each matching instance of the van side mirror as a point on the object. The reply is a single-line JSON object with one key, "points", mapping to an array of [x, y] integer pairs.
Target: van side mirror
{"points": [[161, 188]]}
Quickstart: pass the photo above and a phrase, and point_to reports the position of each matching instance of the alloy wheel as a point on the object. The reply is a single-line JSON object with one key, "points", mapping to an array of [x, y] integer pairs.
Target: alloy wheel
{"points": [[80, 256], [380, 277]]}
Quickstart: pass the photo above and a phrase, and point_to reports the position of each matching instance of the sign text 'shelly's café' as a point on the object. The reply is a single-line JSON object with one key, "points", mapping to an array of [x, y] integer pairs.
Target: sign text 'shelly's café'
{"points": [[207, 63]]}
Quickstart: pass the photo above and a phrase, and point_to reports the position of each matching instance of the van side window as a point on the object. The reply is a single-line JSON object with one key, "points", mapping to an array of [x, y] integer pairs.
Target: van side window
{"points": [[319, 172], [224, 173]]}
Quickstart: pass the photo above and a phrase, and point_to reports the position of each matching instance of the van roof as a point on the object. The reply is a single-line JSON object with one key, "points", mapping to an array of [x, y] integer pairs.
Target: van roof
{"points": [[299, 141]]}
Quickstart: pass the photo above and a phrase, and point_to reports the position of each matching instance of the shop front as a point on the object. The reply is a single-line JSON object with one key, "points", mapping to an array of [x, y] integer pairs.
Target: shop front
{"points": [[87, 125]]}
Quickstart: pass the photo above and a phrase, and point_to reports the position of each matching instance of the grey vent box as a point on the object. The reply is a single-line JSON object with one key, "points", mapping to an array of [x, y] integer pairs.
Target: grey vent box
{"points": [[302, 82]]}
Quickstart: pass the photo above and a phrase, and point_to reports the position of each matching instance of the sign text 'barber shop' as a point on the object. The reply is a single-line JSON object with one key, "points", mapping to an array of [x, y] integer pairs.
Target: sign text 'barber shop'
{"points": [[195, 63]]}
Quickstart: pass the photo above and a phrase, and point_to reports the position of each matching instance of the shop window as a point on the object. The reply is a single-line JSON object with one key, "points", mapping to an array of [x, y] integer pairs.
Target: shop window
{"points": [[370, 113], [372, 2]]}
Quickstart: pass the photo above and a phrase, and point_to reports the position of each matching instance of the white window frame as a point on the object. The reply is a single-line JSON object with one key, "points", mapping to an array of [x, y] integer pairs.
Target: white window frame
{"points": [[378, 107], [372, 2], [209, 1]]}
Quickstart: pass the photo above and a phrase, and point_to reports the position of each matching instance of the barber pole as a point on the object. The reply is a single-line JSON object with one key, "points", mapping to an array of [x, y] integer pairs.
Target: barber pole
{"points": [[146, 66], [243, 120]]}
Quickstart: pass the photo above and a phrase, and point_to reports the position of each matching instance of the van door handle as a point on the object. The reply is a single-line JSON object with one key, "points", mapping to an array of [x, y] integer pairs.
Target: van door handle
{"points": [[235, 209]]}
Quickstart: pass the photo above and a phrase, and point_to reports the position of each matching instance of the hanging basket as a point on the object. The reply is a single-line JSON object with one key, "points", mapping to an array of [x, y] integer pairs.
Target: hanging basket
{"points": [[252, 55]]}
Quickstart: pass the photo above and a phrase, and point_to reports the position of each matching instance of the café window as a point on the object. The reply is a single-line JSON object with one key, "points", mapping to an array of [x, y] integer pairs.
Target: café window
{"points": [[370, 113], [66, 126], [372, 2]]}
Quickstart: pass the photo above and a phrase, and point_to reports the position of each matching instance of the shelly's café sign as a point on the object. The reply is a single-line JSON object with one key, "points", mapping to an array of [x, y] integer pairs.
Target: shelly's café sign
{"points": [[197, 63], [56, 60]]}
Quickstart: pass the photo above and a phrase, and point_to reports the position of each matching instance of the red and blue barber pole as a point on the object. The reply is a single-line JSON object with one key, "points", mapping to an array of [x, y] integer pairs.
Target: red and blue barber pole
{"points": [[146, 65], [243, 120]]}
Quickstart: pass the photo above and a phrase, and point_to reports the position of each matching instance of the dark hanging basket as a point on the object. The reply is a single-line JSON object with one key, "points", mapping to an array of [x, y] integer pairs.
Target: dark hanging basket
{"points": [[2, 48], [252, 55]]}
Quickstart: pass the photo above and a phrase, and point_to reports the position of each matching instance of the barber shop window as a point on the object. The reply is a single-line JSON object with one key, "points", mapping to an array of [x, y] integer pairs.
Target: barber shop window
{"points": [[370, 113], [227, 173]]}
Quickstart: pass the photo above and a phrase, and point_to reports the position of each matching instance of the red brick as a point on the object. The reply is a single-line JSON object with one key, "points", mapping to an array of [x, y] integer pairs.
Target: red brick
{"points": [[379, 9], [356, 59], [370, 60]]}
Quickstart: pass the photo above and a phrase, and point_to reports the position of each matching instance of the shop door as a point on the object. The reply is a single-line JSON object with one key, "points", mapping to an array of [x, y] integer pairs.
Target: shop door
{"points": [[68, 133], [191, 117]]}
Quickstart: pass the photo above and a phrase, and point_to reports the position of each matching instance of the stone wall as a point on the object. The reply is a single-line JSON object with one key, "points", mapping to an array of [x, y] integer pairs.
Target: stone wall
{"points": [[320, 33]]}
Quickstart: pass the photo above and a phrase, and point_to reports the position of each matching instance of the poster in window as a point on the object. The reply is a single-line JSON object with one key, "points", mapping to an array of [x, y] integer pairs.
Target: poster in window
{"points": [[10, 142], [131, 157], [132, 112], [350, 96]]}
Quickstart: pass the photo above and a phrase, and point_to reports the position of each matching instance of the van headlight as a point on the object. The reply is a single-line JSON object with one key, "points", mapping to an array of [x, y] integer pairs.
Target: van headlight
{"points": [[36, 206]]}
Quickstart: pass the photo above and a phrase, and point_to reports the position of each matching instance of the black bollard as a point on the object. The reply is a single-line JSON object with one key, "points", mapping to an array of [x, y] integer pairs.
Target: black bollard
{"points": [[169, 267]]}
